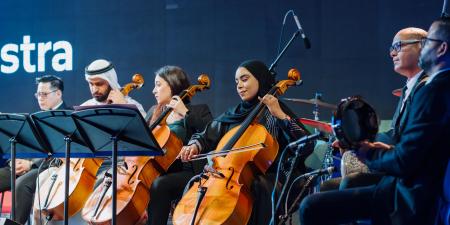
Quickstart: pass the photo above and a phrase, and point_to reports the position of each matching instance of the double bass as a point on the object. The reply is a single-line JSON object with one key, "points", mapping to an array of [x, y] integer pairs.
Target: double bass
{"points": [[50, 194], [136, 175], [222, 196]]}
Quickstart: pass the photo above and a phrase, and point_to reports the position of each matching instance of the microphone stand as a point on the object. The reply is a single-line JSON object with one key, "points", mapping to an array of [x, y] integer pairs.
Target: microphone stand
{"points": [[285, 185], [284, 217], [201, 194], [275, 62], [13, 142]]}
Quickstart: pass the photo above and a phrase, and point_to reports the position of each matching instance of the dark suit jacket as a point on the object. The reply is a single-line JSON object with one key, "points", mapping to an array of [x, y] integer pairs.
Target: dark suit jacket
{"points": [[37, 162], [417, 163], [400, 117]]}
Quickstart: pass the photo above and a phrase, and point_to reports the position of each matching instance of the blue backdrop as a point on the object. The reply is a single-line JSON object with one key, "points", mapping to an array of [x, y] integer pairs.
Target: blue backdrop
{"points": [[349, 54]]}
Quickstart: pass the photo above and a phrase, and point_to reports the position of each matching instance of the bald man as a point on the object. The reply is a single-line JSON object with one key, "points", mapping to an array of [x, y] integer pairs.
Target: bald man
{"points": [[404, 51], [415, 167]]}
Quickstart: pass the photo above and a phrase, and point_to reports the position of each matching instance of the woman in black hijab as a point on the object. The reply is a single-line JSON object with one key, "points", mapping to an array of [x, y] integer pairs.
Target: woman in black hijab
{"points": [[253, 82]]}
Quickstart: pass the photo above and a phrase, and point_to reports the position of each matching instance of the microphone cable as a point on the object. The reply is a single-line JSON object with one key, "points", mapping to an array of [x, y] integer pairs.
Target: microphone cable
{"points": [[282, 29]]}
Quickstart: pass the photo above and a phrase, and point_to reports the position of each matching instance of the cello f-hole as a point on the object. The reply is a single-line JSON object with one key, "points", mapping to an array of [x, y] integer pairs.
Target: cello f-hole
{"points": [[135, 168], [75, 167], [229, 179]]}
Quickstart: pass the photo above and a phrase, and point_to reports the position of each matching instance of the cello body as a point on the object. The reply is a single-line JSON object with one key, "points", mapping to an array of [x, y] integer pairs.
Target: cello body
{"points": [[228, 200], [81, 184], [134, 184]]}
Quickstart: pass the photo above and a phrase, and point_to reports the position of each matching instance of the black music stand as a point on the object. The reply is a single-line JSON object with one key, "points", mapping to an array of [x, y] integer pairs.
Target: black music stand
{"points": [[17, 132], [59, 132], [120, 126]]}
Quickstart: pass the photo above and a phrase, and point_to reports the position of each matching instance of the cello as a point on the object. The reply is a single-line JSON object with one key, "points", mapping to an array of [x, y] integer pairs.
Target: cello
{"points": [[81, 182], [223, 195], [136, 176]]}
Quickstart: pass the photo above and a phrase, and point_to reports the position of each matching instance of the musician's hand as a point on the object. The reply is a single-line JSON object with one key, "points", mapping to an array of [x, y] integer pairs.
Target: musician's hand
{"points": [[179, 108], [366, 145], [23, 166], [116, 97], [274, 106], [337, 145], [188, 152]]}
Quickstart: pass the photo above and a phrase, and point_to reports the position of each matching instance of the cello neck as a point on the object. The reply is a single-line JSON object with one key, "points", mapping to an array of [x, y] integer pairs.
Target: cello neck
{"points": [[166, 113], [260, 109], [203, 83], [276, 90]]}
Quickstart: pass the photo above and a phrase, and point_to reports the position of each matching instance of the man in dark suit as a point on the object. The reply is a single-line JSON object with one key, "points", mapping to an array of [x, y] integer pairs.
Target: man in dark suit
{"points": [[414, 168], [405, 51], [49, 95]]}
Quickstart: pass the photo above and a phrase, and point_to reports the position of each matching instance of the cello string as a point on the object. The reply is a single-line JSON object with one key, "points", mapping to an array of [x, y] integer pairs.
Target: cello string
{"points": [[231, 151]]}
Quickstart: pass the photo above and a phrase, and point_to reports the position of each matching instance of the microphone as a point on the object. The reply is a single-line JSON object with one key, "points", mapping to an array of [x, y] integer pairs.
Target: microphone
{"points": [[302, 33], [303, 140], [319, 172], [445, 13]]}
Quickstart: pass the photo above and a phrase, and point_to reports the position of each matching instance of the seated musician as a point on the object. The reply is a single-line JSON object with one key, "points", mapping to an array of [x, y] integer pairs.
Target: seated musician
{"points": [[105, 89], [50, 96], [414, 168], [104, 86], [184, 120], [253, 82], [405, 53]]}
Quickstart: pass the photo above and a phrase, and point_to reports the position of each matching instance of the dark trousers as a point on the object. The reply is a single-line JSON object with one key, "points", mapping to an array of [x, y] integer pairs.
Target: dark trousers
{"points": [[351, 181], [262, 203], [343, 206], [25, 187], [163, 191]]}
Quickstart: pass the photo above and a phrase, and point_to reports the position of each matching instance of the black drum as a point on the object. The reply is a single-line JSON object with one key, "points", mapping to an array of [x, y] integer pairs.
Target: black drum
{"points": [[354, 121]]}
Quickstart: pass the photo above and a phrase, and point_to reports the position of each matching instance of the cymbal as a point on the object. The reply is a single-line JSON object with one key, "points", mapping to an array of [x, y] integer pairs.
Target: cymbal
{"points": [[312, 101], [319, 125], [397, 92]]}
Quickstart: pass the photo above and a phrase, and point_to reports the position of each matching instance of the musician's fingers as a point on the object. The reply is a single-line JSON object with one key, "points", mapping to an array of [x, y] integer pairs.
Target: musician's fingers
{"points": [[179, 154], [192, 153], [336, 144], [185, 153]]}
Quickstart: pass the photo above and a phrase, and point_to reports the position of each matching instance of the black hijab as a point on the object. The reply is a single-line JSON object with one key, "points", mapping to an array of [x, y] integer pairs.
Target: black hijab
{"points": [[265, 79]]}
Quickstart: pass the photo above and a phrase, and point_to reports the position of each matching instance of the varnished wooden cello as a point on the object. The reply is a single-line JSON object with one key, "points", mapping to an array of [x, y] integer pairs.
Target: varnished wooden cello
{"points": [[135, 179], [50, 202], [223, 195]]}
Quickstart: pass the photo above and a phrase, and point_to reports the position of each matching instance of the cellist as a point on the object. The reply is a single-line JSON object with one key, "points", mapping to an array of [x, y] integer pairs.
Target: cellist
{"points": [[184, 120], [253, 81], [105, 89]]}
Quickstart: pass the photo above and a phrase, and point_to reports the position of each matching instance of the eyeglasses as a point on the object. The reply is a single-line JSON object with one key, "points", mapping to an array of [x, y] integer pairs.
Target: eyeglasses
{"points": [[43, 94], [397, 46], [423, 41]]}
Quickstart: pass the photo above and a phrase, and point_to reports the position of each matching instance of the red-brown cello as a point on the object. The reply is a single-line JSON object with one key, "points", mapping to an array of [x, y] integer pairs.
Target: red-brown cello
{"points": [[134, 180], [226, 198]]}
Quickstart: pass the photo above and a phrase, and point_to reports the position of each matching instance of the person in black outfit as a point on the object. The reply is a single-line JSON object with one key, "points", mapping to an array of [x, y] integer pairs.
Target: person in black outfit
{"points": [[414, 168], [184, 120], [253, 82], [49, 95], [405, 51]]}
